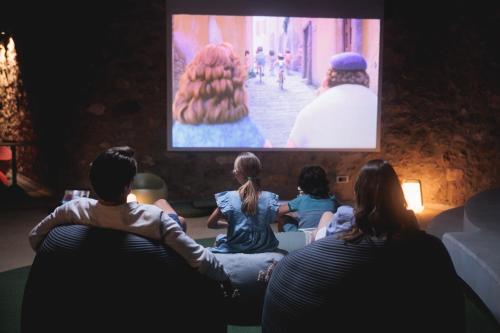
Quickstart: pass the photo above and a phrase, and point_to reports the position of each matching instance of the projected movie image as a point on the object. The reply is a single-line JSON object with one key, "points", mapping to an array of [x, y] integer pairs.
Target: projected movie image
{"points": [[245, 82]]}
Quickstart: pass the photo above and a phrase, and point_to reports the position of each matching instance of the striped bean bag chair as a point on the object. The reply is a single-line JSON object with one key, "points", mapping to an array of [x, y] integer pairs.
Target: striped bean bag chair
{"points": [[87, 279], [405, 285]]}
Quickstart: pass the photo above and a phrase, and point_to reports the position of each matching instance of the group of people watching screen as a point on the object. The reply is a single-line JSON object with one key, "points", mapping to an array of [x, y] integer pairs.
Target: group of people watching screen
{"points": [[368, 266]]}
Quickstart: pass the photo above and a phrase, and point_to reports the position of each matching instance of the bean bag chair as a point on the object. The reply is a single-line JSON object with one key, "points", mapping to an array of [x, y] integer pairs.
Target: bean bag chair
{"points": [[403, 285], [247, 273], [148, 187], [86, 279]]}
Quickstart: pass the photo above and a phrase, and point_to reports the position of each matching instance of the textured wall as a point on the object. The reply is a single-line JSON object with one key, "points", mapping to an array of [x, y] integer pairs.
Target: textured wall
{"points": [[15, 122], [440, 107]]}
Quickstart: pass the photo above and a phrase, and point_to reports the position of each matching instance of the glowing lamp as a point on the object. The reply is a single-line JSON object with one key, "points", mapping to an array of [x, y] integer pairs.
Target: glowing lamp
{"points": [[131, 197], [412, 190]]}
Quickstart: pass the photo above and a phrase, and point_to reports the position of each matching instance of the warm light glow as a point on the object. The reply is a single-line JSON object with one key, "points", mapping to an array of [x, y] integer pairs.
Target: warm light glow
{"points": [[412, 190], [11, 51], [12, 106], [3, 58], [131, 197], [15, 120]]}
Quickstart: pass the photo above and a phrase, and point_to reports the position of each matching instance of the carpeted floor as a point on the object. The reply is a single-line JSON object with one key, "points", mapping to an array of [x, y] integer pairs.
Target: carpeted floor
{"points": [[11, 296]]}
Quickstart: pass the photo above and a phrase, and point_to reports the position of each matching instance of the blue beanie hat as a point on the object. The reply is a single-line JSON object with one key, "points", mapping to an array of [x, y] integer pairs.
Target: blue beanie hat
{"points": [[348, 61]]}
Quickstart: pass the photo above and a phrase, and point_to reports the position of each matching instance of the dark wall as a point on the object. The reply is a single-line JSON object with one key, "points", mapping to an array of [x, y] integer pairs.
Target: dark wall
{"points": [[58, 46], [98, 79]]}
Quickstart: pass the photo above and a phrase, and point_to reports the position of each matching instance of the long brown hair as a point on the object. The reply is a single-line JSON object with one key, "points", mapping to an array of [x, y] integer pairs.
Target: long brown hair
{"points": [[212, 90], [248, 166], [380, 203]]}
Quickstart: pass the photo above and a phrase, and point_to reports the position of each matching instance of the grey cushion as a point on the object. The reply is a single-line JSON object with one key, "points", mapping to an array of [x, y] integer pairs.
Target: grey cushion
{"points": [[246, 309]]}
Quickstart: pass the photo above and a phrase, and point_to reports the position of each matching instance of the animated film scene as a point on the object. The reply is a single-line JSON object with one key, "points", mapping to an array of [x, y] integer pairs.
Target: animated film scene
{"points": [[274, 82]]}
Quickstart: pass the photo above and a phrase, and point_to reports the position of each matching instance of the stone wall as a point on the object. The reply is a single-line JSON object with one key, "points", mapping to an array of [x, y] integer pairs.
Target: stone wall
{"points": [[440, 107], [15, 120]]}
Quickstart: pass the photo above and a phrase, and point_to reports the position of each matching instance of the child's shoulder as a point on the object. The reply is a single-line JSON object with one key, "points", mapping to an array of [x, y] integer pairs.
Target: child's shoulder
{"points": [[268, 194], [308, 199], [269, 199], [224, 194], [228, 200]]}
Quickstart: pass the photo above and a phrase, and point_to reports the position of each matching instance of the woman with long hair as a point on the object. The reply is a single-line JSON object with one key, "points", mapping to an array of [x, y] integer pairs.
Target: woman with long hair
{"points": [[247, 213], [380, 204], [382, 275]]}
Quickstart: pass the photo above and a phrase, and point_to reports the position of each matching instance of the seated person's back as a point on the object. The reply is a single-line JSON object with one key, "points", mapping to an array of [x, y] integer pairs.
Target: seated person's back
{"points": [[382, 275], [314, 199], [248, 212], [111, 175]]}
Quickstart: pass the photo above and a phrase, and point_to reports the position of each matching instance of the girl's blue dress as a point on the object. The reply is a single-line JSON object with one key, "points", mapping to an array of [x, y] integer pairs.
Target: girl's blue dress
{"points": [[247, 234]]}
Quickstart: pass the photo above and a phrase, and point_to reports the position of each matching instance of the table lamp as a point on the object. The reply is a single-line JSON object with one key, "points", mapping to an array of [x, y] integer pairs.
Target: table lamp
{"points": [[412, 189]]}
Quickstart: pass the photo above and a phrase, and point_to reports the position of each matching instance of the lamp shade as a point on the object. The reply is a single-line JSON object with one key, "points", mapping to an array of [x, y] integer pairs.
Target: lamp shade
{"points": [[412, 190], [148, 188]]}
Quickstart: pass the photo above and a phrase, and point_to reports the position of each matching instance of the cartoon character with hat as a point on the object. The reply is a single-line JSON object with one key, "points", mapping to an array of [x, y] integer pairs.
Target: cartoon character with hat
{"points": [[344, 115], [346, 68]]}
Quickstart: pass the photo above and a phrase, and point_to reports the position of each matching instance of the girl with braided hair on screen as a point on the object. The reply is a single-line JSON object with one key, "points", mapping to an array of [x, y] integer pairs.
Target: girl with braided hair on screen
{"points": [[210, 109]]}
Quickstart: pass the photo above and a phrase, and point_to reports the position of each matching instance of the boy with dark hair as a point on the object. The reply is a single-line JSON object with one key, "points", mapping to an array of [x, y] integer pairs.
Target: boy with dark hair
{"points": [[313, 200], [111, 175], [119, 162]]}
